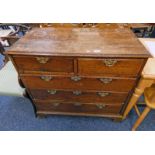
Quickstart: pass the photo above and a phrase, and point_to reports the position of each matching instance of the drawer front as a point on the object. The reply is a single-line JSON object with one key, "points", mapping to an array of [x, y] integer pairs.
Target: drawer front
{"points": [[75, 82], [79, 96], [110, 67], [44, 64], [77, 108]]}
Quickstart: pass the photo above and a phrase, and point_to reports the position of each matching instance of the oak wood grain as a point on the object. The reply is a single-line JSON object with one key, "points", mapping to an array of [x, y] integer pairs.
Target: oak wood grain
{"points": [[47, 106], [84, 83], [94, 42], [122, 67], [83, 97], [97, 66]]}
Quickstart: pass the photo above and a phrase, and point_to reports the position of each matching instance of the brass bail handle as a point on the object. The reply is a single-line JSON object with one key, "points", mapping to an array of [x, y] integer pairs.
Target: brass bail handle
{"points": [[100, 106], [46, 78], [52, 92], [106, 80], [110, 62], [75, 78], [103, 94], [42, 60], [77, 92]]}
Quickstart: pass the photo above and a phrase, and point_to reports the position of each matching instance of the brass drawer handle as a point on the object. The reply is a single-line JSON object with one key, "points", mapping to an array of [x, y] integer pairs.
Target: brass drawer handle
{"points": [[46, 78], [77, 104], [103, 94], [109, 62], [52, 92], [42, 60], [55, 104], [100, 106], [106, 80], [75, 78], [77, 92]]}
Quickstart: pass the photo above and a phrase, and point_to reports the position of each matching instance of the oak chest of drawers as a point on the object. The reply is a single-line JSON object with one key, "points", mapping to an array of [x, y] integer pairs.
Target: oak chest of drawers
{"points": [[79, 71]]}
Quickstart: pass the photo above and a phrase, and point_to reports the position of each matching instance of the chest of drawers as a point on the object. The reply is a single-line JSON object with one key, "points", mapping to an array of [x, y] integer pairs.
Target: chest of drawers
{"points": [[79, 71]]}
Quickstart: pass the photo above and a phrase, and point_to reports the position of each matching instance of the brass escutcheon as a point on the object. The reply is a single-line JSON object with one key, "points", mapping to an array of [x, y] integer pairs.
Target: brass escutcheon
{"points": [[77, 92], [100, 106], [109, 62], [42, 60], [46, 78], [103, 94], [75, 78], [52, 92], [106, 80]]}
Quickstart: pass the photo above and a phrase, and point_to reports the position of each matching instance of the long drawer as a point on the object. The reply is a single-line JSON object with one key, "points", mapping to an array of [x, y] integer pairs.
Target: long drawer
{"points": [[75, 82], [35, 64], [57, 107], [79, 96], [110, 67]]}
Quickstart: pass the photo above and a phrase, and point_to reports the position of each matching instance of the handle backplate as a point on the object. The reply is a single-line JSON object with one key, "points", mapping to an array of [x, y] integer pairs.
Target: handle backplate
{"points": [[42, 60], [52, 92], [110, 62], [77, 92], [75, 78], [106, 80], [46, 78], [103, 94], [100, 106]]}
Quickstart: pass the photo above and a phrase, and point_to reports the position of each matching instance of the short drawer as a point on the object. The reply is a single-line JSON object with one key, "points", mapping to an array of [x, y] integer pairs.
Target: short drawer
{"points": [[110, 67], [77, 82], [34, 64], [50, 107], [79, 96]]}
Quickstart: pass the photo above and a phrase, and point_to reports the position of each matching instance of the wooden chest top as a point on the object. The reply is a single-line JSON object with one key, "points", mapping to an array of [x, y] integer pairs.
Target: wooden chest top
{"points": [[85, 42]]}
